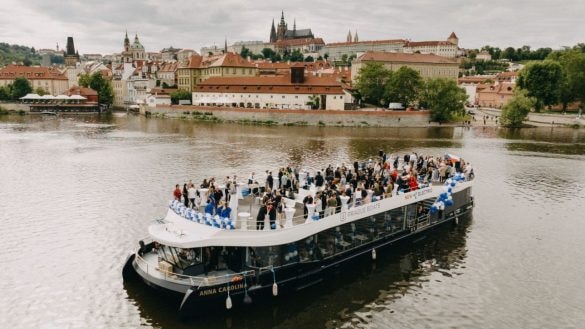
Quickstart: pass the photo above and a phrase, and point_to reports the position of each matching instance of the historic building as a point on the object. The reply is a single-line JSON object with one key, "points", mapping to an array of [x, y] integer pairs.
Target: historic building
{"points": [[71, 56], [295, 90], [197, 69], [336, 50], [428, 65], [283, 33], [448, 48], [50, 80], [133, 52]]}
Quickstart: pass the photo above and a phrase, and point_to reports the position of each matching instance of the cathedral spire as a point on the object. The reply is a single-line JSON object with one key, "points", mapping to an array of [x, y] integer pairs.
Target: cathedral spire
{"points": [[355, 37], [225, 50], [273, 33], [348, 39]]}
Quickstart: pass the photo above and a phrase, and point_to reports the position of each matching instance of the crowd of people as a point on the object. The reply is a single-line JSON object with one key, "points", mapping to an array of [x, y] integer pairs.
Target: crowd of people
{"points": [[363, 182]]}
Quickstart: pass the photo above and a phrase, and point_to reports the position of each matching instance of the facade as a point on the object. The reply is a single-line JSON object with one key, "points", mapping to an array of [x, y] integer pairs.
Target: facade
{"points": [[154, 100], [429, 66], [449, 48], [292, 91], [133, 52], [255, 47], [494, 95], [336, 50], [483, 56], [305, 45], [166, 73], [470, 84], [50, 80], [198, 69]]}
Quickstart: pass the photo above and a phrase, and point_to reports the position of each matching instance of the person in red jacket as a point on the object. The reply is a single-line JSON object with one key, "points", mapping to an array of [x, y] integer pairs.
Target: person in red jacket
{"points": [[413, 183], [177, 192]]}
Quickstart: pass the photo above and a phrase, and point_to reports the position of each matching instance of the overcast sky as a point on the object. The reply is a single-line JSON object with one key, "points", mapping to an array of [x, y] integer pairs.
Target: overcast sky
{"points": [[98, 26]]}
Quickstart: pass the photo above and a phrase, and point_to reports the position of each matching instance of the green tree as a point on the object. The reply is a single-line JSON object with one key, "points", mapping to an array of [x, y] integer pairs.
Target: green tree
{"points": [[20, 88], [572, 87], [6, 92], [371, 82], [403, 86], [444, 99], [517, 109], [98, 83], [40, 91], [296, 56], [245, 52], [541, 80], [309, 59], [180, 94], [326, 56], [84, 80]]}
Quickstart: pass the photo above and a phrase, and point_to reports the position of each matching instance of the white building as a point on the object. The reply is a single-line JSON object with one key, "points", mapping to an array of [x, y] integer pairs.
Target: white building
{"points": [[336, 50], [294, 91], [158, 100]]}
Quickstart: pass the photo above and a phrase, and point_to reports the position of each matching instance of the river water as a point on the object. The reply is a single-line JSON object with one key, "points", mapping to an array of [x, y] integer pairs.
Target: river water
{"points": [[77, 193]]}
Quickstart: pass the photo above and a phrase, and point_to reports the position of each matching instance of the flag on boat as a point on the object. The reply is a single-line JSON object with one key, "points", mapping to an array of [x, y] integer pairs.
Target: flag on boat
{"points": [[452, 158]]}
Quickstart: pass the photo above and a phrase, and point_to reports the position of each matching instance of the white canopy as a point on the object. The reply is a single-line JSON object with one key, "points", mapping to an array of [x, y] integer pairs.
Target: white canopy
{"points": [[31, 96], [77, 97], [62, 97], [50, 97]]}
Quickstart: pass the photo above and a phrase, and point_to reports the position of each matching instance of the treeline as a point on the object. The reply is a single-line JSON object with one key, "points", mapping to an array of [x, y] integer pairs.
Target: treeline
{"points": [[380, 86], [18, 54], [19, 88], [267, 53]]}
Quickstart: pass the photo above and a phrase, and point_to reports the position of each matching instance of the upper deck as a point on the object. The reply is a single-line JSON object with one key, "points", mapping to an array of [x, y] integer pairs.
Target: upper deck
{"points": [[182, 228]]}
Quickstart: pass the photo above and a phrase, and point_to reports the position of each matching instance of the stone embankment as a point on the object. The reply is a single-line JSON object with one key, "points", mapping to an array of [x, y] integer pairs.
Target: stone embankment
{"points": [[361, 118], [535, 119]]}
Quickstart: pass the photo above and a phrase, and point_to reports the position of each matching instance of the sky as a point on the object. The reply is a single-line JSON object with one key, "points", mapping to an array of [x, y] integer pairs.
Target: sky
{"points": [[99, 26]]}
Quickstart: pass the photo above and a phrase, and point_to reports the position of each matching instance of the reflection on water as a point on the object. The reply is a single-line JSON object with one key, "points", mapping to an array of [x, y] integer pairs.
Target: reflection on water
{"points": [[78, 192]]}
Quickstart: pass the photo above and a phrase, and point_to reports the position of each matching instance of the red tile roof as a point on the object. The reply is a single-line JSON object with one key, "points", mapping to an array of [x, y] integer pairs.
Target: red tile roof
{"points": [[76, 90], [279, 84], [231, 60], [380, 56], [11, 72]]}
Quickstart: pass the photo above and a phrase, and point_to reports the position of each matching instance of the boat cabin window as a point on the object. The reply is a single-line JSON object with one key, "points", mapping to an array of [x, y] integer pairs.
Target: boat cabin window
{"points": [[179, 257]]}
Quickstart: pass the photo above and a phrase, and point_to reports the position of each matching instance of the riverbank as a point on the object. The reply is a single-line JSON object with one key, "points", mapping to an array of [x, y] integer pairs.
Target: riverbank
{"points": [[361, 118], [534, 119]]}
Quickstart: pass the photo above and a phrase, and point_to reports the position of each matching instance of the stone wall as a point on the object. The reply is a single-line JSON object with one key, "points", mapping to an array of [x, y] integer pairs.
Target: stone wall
{"points": [[362, 118], [15, 107]]}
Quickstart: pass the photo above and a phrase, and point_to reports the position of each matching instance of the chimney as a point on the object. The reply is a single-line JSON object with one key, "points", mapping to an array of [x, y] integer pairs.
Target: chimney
{"points": [[297, 74]]}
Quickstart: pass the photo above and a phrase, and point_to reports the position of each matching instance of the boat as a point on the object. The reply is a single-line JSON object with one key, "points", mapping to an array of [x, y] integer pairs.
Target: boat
{"points": [[212, 262]]}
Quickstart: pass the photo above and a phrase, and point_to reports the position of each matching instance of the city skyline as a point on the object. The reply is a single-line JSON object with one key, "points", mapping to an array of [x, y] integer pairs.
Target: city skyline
{"points": [[100, 28]]}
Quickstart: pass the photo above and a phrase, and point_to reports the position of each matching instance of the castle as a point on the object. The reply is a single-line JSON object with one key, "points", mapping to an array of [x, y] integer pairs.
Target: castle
{"points": [[283, 33]]}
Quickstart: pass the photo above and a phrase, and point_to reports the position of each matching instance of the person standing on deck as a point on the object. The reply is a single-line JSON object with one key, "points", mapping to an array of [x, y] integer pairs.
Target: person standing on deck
{"points": [[177, 193], [270, 181], [192, 193], [307, 200], [185, 195], [271, 215], [260, 217]]}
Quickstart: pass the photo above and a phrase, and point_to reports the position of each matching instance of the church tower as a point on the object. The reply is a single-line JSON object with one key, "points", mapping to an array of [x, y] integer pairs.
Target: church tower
{"points": [[355, 37], [273, 33], [281, 30], [71, 57], [453, 39], [348, 39]]}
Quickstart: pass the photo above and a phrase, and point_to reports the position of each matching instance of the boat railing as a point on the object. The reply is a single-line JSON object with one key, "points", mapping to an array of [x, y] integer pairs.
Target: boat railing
{"points": [[156, 271]]}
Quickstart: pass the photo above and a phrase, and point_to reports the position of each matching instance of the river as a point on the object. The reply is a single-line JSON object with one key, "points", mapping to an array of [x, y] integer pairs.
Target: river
{"points": [[77, 193]]}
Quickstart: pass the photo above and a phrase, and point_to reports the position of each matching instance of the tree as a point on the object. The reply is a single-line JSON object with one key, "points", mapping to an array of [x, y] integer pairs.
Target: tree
{"points": [[6, 92], [517, 109], [180, 94], [40, 91], [20, 88], [295, 56], [326, 56], [541, 80], [572, 87], [371, 82], [403, 86], [103, 87], [309, 59], [314, 102], [444, 99], [245, 52], [26, 61], [270, 54], [320, 58], [84, 80]]}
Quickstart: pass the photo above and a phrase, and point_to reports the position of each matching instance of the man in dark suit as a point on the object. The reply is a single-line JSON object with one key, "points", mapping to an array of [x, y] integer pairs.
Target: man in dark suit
{"points": [[260, 218]]}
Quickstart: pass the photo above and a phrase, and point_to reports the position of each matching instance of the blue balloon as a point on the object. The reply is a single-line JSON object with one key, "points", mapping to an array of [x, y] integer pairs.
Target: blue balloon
{"points": [[449, 202], [444, 195], [453, 184], [449, 190]]}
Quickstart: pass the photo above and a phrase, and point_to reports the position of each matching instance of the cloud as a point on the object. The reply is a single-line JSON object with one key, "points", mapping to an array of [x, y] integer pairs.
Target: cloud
{"points": [[99, 26]]}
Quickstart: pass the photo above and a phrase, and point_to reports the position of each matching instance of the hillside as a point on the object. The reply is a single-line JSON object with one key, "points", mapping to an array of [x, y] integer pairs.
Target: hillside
{"points": [[19, 54]]}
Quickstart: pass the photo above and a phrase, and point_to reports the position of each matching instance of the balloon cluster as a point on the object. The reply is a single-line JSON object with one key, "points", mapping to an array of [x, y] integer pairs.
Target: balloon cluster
{"points": [[192, 215], [445, 199]]}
